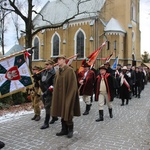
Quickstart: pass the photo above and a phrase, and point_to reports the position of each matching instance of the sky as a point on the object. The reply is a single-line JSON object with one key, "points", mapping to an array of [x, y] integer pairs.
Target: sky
{"points": [[145, 25], [144, 28]]}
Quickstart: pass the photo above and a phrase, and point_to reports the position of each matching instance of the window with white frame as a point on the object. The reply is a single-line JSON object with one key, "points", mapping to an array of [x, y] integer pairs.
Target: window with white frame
{"points": [[133, 11], [36, 49], [56, 45], [80, 44]]}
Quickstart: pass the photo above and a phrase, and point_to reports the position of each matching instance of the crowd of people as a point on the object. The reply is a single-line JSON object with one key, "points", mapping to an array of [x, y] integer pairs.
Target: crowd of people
{"points": [[60, 90]]}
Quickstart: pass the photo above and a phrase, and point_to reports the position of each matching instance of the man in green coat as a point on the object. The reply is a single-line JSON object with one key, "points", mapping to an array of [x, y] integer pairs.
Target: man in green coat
{"points": [[65, 101]]}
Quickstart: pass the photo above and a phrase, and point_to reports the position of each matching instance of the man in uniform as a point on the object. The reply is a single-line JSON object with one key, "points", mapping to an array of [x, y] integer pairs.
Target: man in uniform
{"points": [[46, 78], [35, 95], [65, 101]]}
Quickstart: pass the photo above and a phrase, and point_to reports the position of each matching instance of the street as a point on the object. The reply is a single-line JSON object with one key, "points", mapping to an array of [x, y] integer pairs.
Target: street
{"points": [[129, 129]]}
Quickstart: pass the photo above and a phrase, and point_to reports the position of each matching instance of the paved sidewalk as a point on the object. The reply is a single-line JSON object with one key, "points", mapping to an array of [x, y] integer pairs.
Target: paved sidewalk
{"points": [[129, 129]]}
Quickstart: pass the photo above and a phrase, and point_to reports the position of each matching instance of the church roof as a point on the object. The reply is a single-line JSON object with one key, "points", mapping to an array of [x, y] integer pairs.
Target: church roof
{"points": [[14, 49], [114, 26], [58, 11]]}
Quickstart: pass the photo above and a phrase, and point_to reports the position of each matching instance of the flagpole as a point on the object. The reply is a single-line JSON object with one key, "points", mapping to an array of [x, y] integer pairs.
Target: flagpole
{"points": [[54, 64], [17, 53]]}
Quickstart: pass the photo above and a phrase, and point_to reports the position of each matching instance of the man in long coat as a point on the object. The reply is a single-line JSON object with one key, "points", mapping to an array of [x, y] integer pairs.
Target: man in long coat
{"points": [[65, 101], [86, 79]]}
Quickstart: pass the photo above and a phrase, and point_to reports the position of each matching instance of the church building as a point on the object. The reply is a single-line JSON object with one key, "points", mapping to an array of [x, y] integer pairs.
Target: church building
{"points": [[88, 23]]}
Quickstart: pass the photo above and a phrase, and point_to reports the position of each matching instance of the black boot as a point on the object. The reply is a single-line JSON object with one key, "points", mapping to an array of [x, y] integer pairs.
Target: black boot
{"points": [[127, 101], [110, 113], [2, 144], [70, 131], [122, 102], [46, 122], [87, 109], [64, 130], [37, 118], [53, 120], [101, 114], [33, 117]]}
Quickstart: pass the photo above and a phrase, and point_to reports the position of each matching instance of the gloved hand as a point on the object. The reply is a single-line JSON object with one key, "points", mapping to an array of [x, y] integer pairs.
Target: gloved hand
{"points": [[51, 88], [44, 95], [29, 97]]}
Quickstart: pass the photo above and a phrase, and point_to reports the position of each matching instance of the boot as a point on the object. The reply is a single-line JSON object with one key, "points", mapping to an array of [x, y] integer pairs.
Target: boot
{"points": [[33, 117], [87, 109], [37, 118], [110, 113], [70, 131], [46, 122], [53, 120], [2, 144], [64, 130], [127, 101], [122, 102], [101, 114]]}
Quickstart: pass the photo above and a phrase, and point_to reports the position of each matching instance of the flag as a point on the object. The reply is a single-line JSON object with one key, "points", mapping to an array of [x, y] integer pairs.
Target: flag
{"points": [[14, 74], [114, 66], [90, 60], [27, 54], [109, 57], [92, 57]]}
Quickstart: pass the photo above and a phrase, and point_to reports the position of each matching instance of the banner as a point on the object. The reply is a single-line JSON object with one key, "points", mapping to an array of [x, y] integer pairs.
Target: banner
{"points": [[14, 74], [109, 57], [91, 59], [114, 66]]}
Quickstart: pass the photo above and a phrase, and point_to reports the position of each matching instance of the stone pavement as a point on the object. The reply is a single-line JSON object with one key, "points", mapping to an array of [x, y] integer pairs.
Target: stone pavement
{"points": [[129, 129]]}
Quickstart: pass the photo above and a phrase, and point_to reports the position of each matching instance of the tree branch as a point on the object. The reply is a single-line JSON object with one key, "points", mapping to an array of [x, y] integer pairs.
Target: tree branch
{"points": [[16, 10], [41, 16]]}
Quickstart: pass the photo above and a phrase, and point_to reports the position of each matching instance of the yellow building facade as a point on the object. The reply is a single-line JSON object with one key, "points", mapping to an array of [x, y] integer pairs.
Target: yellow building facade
{"points": [[116, 21]]}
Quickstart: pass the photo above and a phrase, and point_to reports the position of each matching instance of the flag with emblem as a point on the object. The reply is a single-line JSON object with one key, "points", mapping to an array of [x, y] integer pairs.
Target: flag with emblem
{"points": [[14, 74]]}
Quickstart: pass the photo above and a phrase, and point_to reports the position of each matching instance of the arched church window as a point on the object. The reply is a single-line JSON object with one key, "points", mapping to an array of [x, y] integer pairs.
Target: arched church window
{"points": [[80, 44], [36, 50], [133, 12], [56, 43]]}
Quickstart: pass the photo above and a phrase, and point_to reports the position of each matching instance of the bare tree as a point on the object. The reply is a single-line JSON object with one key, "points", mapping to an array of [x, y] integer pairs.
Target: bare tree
{"points": [[3, 26]]}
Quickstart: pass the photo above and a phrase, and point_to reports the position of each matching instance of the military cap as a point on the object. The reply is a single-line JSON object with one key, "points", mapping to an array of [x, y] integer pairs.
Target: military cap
{"points": [[61, 56], [36, 68], [50, 61]]}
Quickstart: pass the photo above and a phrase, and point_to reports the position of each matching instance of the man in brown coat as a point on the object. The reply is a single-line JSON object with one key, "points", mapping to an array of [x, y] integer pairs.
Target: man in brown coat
{"points": [[65, 101]]}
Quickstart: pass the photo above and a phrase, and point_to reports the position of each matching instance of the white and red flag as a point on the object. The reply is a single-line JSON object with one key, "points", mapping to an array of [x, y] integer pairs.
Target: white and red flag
{"points": [[14, 74]]}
